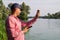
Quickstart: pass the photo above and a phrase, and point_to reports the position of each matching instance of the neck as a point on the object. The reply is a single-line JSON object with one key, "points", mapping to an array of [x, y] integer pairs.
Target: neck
{"points": [[14, 14]]}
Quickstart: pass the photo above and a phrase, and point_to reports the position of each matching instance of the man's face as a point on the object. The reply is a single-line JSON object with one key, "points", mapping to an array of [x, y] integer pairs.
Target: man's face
{"points": [[18, 11]]}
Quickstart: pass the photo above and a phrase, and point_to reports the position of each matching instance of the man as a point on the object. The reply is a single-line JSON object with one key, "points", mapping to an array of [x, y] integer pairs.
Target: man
{"points": [[14, 24]]}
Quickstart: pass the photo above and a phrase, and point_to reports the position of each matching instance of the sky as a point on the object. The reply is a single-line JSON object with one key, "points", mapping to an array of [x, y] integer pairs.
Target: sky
{"points": [[45, 6]]}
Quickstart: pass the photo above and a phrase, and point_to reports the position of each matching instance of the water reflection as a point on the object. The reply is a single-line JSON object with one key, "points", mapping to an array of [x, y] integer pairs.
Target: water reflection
{"points": [[45, 29]]}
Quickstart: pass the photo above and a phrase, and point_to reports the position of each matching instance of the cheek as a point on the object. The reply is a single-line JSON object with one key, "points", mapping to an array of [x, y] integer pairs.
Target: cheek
{"points": [[19, 12]]}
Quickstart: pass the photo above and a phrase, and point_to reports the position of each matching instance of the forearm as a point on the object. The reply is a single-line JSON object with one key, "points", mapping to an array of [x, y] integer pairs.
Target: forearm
{"points": [[29, 23]]}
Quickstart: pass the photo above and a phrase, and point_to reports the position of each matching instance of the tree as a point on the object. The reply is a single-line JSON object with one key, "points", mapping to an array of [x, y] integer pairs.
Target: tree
{"points": [[9, 5], [1, 4], [55, 15], [3, 11]]}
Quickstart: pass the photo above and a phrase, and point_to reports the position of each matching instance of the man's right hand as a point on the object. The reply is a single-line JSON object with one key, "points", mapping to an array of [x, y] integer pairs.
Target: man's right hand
{"points": [[37, 13]]}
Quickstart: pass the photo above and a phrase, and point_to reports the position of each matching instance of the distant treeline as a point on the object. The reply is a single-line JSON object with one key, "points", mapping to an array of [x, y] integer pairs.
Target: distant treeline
{"points": [[39, 17], [50, 16], [53, 15]]}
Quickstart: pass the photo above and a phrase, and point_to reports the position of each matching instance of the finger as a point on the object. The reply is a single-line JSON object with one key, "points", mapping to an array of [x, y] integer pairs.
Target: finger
{"points": [[38, 11], [26, 27]]}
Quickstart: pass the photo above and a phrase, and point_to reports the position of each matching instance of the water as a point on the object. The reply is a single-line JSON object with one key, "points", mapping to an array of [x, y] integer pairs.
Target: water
{"points": [[44, 29]]}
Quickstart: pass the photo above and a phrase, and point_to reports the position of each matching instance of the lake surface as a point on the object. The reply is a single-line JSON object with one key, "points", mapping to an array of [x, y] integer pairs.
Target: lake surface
{"points": [[44, 29]]}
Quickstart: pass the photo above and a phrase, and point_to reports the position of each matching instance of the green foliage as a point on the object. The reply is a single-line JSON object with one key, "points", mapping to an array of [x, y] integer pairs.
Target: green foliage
{"points": [[2, 30], [3, 14], [9, 5], [55, 15], [3, 11]]}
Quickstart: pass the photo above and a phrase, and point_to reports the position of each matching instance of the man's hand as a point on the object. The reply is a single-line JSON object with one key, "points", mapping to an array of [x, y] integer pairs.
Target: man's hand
{"points": [[37, 13], [25, 30]]}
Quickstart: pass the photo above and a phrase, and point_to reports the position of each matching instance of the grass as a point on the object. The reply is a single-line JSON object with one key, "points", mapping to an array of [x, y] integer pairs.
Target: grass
{"points": [[2, 30]]}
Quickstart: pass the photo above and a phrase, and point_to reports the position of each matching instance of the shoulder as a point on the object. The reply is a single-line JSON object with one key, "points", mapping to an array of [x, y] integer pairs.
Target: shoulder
{"points": [[10, 18]]}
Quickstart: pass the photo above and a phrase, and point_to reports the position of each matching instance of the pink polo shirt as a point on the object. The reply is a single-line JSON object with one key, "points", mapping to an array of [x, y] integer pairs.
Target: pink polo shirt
{"points": [[14, 25]]}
